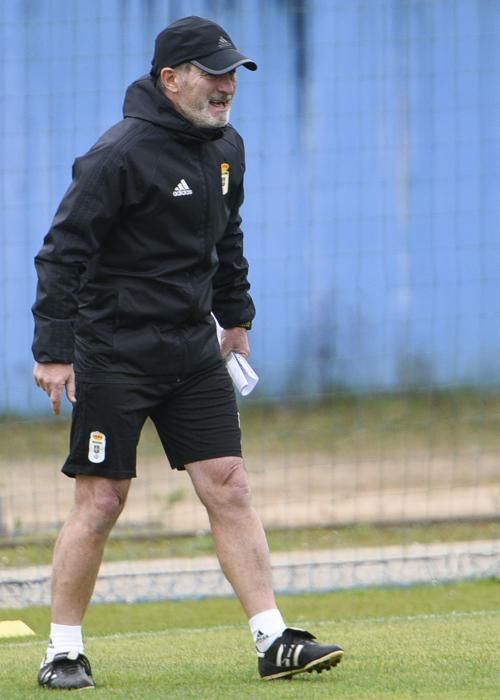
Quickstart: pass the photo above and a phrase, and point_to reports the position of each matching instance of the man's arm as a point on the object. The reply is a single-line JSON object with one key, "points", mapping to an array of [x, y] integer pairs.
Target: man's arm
{"points": [[81, 223], [232, 304]]}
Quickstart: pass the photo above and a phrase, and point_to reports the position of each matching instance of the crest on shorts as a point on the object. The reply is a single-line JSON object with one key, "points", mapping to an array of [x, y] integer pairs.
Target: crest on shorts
{"points": [[97, 447], [224, 173]]}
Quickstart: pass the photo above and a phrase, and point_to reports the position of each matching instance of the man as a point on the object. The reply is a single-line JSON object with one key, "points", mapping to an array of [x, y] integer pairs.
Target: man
{"points": [[145, 245]]}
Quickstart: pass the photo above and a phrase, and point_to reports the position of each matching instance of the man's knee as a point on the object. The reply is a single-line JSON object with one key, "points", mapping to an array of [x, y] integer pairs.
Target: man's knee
{"points": [[221, 483], [234, 474], [100, 500]]}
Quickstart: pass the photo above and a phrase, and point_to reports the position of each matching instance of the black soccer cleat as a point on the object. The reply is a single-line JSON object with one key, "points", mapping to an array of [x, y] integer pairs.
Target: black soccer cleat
{"points": [[66, 671], [296, 651]]}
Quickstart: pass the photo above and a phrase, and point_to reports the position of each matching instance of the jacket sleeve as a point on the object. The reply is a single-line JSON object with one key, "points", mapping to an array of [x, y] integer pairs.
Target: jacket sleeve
{"points": [[232, 303], [80, 225]]}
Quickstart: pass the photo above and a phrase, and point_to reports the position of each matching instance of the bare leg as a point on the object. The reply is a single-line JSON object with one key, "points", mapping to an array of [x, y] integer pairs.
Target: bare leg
{"points": [[80, 545], [240, 541]]}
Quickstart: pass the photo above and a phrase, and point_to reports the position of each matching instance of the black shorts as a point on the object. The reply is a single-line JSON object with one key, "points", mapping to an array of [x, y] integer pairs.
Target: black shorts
{"points": [[196, 418]]}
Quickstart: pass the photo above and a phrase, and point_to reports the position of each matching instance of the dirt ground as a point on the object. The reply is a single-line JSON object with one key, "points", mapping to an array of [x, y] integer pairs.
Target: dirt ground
{"points": [[317, 489]]}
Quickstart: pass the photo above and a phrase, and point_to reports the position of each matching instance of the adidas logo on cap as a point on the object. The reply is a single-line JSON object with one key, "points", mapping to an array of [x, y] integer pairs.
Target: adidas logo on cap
{"points": [[224, 43]]}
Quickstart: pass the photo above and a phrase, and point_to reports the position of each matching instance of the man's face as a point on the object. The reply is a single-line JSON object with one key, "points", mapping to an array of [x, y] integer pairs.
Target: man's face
{"points": [[204, 99]]}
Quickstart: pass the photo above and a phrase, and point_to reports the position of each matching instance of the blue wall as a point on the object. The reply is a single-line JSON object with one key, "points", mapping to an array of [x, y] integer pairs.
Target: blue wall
{"points": [[373, 147]]}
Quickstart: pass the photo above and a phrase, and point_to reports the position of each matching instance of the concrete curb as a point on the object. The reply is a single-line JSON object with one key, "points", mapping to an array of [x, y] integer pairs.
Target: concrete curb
{"points": [[293, 572]]}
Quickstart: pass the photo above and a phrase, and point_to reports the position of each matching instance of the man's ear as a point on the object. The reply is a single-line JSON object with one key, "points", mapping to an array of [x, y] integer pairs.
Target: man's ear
{"points": [[168, 78]]}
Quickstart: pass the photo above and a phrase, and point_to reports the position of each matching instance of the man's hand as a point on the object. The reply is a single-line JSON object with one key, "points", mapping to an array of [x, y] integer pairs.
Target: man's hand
{"points": [[234, 340], [53, 377]]}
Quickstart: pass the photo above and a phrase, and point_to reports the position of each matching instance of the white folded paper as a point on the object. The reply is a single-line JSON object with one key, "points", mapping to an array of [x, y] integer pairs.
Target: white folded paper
{"points": [[243, 376]]}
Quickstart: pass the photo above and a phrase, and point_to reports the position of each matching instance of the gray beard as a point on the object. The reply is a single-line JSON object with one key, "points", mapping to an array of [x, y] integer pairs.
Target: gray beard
{"points": [[204, 121]]}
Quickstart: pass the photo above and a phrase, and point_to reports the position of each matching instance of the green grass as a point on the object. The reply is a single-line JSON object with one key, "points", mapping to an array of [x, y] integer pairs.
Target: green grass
{"points": [[428, 642], [391, 423], [127, 546], [347, 423]]}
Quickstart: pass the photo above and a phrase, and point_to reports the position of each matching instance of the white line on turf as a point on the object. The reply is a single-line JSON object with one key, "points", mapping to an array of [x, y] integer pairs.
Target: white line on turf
{"points": [[306, 623]]}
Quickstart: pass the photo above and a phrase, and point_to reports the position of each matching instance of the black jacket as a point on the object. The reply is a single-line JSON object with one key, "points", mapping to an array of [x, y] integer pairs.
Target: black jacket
{"points": [[146, 243]]}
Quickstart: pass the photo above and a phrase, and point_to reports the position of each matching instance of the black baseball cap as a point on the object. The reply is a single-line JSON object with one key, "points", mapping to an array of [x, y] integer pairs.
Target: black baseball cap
{"points": [[199, 41]]}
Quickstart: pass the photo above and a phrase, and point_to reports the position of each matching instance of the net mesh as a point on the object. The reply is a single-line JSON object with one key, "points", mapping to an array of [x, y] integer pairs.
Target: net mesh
{"points": [[371, 211]]}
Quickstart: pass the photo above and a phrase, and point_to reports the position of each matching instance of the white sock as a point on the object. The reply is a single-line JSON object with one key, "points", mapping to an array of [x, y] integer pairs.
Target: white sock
{"points": [[64, 638], [266, 627]]}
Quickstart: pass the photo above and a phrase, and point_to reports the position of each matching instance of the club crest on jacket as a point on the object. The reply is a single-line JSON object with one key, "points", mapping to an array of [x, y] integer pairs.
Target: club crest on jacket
{"points": [[224, 172]]}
